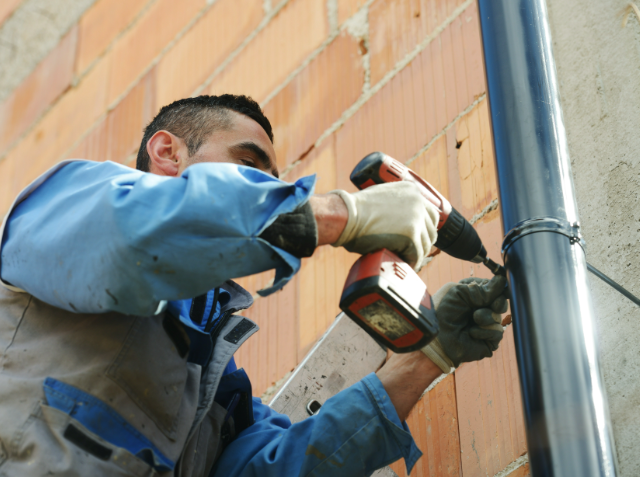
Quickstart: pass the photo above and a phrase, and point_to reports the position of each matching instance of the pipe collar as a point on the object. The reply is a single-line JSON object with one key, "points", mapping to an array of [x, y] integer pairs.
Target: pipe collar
{"points": [[543, 224]]}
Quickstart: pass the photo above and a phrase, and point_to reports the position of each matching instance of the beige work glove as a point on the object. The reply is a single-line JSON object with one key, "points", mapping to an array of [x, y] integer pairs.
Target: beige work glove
{"points": [[469, 317], [394, 216]]}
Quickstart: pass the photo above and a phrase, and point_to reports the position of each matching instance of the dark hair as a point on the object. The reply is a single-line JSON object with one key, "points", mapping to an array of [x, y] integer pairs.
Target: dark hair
{"points": [[194, 119]]}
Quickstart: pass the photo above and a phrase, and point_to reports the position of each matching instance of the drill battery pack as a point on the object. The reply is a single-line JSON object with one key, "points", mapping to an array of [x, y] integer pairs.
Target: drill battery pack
{"points": [[388, 299]]}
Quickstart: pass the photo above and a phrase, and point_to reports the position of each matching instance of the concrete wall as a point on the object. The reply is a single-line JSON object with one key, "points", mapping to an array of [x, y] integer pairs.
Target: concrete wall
{"points": [[598, 65], [33, 29]]}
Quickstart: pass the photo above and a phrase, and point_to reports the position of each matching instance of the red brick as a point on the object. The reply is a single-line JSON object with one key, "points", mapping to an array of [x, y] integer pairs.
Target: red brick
{"points": [[482, 193], [475, 165], [473, 57], [118, 136], [287, 318], [61, 127], [7, 7], [401, 105], [387, 122], [486, 144], [203, 48], [424, 67], [434, 426], [127, 120], [272, 352], [420, 119], [450, 79], [414, 127], [471, 181], [320, 161], [489, 409], [395, 28], [439, 90], [315, 98], [276, 51], [346, 8], [431, 165], [452, 5], [466, 167], [308, 322], [391, 120], [521, 471], [36, 93], [442, 8], [138, 47], [457, 40], [275, 350], [100, 25], [455, 185], [94, 146]]}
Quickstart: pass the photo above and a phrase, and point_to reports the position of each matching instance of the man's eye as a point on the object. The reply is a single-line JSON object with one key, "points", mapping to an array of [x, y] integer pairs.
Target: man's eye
{"points": [[247, 162]]}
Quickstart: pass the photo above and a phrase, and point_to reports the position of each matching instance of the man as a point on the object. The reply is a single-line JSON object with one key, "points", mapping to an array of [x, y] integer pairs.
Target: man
{"points": [[118, 324]]}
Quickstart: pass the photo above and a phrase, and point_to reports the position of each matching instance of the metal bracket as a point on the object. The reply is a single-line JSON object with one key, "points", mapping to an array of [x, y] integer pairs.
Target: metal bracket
{"points": [[543, 224]]}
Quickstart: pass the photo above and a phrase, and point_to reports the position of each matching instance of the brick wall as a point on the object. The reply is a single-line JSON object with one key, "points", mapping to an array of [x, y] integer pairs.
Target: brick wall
{"points": [[338, 79]]}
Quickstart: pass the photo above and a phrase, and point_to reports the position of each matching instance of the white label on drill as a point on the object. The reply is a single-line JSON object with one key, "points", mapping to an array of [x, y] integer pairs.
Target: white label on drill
{"points": [[386, 320]]}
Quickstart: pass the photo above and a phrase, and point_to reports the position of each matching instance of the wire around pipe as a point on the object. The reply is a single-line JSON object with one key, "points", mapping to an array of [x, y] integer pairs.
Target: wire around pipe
{"points": [[613, 284]]}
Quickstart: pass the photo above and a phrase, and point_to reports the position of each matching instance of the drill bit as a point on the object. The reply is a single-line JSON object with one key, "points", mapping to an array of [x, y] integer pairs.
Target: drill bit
{"points": [[495, 268]]}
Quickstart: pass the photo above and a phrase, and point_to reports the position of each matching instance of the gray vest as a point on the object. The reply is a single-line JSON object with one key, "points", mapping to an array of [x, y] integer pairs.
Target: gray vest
{"points": [[135, 366]]}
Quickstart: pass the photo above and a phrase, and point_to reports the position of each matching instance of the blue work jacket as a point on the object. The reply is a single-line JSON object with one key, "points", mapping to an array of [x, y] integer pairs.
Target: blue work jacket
{"points": [[98, 237]]}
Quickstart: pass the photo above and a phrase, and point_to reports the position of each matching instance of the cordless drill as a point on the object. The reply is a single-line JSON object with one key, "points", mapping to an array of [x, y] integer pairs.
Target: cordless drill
{"points": [[383, 294]]}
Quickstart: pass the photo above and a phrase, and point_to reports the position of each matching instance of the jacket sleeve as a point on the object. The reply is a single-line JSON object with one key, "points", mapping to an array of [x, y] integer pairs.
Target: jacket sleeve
{"points": [[96, 237], [355, 432]]}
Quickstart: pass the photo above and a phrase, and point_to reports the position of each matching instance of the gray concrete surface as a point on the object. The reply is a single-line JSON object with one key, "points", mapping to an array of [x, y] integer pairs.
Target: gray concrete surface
{"points": [[33, 30], [598, 65]]}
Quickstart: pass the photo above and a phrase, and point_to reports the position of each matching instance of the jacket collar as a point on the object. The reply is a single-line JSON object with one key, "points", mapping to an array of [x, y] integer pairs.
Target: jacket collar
{"points": [[240, 299]]}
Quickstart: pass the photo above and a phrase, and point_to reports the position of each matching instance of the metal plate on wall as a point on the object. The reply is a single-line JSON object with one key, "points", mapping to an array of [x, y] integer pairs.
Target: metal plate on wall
{"points": [[343, 356]]}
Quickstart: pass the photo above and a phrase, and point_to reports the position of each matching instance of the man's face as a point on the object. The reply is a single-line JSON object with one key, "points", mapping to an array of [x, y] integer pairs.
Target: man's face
{"points": [[245, 143]]}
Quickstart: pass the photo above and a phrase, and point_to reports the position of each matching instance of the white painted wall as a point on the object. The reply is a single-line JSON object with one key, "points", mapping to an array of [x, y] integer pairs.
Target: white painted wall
{"points": [[598, 65]]}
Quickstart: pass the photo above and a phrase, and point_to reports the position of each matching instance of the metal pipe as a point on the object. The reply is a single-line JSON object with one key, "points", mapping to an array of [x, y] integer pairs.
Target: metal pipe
{"points": [[566, 416]]}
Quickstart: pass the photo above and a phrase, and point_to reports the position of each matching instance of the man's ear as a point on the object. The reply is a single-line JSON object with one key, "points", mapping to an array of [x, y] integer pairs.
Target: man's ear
{"points": [[166, 153]]}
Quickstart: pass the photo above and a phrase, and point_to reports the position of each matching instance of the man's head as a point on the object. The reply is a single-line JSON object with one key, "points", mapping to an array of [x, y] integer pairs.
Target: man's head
{"points": [[226, 128]]}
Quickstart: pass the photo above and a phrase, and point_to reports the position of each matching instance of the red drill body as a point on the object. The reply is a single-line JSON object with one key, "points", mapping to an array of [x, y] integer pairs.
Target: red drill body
{"points": [[382, 293]]}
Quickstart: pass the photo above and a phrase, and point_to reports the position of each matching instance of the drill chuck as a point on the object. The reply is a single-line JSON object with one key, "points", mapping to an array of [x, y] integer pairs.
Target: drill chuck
{"points": [[459, 239]]}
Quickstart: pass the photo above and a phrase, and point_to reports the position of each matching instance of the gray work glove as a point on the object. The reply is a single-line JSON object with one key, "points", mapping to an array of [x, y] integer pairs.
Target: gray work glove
{"points": [[394, 216], [469, 315]]}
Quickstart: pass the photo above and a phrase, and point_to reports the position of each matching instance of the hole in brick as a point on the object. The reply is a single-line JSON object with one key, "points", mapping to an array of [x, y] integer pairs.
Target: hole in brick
{"points": [[363, 47], [306, 153]]}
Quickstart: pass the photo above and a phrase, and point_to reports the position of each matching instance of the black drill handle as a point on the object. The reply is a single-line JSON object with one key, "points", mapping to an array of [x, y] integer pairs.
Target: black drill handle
{"points": [[456, 236]]}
